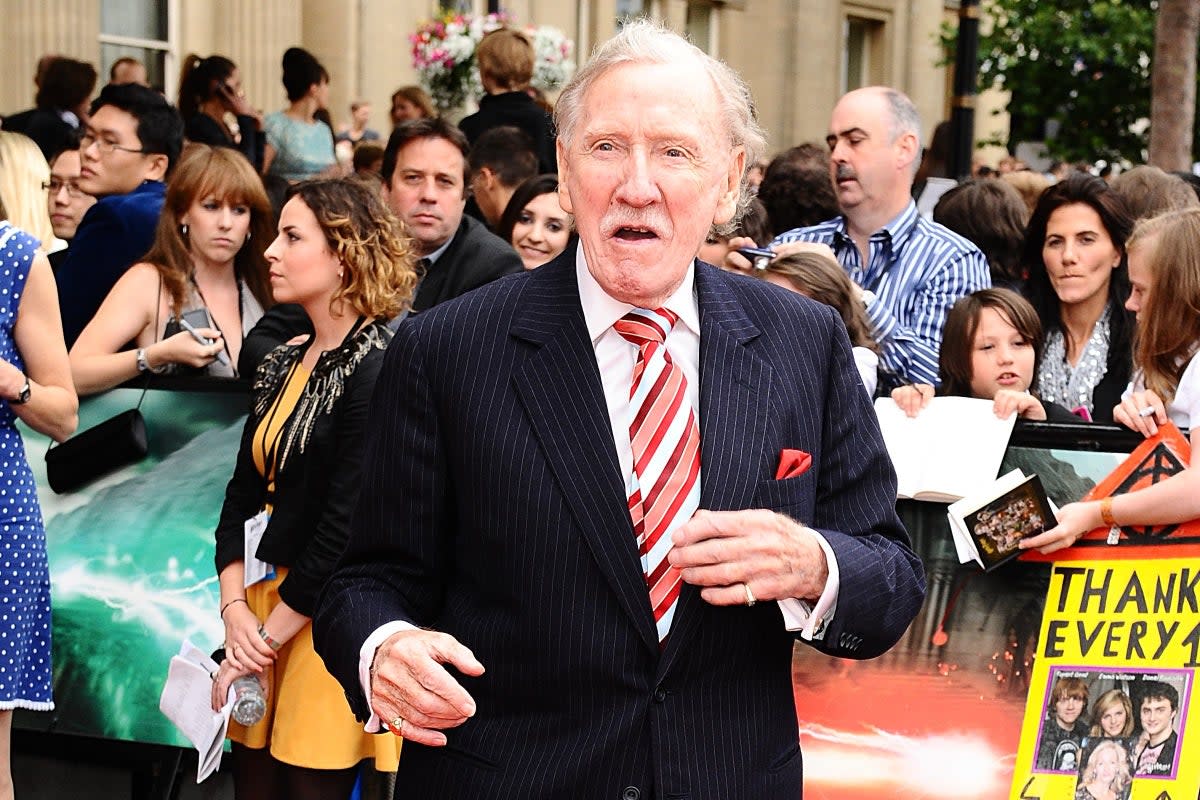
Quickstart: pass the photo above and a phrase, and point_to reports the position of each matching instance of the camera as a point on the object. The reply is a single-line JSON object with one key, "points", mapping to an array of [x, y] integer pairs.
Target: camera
{"points": [[757, 256]]}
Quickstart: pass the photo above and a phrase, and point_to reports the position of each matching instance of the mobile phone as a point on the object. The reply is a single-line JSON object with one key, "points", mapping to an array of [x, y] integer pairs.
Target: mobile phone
{"points": [[190, 328], [758, 256]]}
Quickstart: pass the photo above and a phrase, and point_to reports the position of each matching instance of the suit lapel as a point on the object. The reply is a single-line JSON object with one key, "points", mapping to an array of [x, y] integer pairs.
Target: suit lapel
{"points": [[734, 406], [559, 386]]}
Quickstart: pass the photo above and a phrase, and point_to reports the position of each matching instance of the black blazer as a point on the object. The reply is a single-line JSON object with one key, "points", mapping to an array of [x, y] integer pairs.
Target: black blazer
{"points": [[206, 130], [493, 509], [517, 109], [316, 488], [47, 129], [475, 256]]}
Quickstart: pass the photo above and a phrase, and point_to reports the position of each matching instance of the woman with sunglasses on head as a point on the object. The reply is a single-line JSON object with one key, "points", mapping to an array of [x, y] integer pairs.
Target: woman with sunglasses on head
{"points": [[204, 271]]}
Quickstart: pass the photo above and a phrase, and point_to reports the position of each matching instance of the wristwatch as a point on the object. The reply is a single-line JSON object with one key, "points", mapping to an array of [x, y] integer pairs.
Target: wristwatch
{"points": [[22, 398]]}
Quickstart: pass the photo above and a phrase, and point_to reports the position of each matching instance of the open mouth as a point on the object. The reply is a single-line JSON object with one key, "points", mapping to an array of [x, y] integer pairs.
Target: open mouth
{"points": [[634, 234]]}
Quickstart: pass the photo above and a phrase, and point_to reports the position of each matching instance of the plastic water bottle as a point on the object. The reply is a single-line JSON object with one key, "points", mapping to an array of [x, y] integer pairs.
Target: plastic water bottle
{"points": [[249, 702]]}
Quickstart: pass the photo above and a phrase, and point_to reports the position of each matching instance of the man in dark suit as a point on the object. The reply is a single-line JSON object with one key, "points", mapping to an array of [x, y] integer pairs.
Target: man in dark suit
{"points": [[530, 596], [129, 146], [425, 182]]}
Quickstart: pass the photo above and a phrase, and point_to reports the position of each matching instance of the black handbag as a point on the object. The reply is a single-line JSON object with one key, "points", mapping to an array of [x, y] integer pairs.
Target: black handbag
{"points": [[94, 453], [117, 442]]}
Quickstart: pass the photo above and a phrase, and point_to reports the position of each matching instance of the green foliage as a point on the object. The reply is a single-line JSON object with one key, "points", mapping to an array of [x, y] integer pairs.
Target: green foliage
{"points": [[1084, 64]]}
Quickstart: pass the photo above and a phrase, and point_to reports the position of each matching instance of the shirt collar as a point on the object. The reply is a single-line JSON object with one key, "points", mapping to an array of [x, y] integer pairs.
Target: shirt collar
{"points": [[436, 254], [898, 230], [601, 310]]}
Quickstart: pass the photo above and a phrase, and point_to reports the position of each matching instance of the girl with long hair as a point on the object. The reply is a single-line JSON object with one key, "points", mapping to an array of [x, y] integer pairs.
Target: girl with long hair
{"points": [[205, 268]]}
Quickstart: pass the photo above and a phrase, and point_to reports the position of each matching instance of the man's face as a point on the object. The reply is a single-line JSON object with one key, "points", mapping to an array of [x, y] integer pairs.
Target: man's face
{"points": [[66, 202], [869, 171], [426, 191], [1157, 718], [1068, 709], [110, 152], [648, 172]]}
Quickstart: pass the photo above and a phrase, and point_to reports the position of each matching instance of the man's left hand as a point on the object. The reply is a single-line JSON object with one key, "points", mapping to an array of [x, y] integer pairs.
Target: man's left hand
{"points": [[719, 551]]}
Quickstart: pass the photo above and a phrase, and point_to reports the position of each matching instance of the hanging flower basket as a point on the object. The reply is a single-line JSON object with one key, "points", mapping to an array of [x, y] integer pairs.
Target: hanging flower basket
{"points": [[443, 53]]}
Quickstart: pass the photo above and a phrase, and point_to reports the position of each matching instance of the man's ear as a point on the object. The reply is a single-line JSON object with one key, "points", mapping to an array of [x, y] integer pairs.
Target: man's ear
{"points": [[564, 197], [489, 178], [731, 189], [156, 167], [909, 150]]}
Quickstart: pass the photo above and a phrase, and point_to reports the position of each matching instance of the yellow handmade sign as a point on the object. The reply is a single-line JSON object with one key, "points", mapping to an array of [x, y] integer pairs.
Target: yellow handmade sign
{"points": [[1111, 687]]}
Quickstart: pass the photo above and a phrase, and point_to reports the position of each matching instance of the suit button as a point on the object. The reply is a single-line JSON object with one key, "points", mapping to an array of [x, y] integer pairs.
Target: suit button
{"points": [[631, 793], [660, 695]]}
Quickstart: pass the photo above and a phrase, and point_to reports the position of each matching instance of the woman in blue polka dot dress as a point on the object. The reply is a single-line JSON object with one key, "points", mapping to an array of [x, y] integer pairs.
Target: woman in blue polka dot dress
{"points": [[35, 386]]}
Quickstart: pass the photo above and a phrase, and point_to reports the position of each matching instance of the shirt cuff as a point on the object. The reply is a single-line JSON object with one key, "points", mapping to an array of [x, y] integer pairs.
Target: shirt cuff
{"points": [[366, 655], [813, 620]]}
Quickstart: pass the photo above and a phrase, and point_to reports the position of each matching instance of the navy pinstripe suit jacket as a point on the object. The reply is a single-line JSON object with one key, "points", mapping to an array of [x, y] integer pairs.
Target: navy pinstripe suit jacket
{"points": [[492, 509]]}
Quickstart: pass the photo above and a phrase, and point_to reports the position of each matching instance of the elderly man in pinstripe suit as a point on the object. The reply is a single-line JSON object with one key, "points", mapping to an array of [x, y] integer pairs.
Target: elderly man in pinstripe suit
{"points": [[605, 498]]}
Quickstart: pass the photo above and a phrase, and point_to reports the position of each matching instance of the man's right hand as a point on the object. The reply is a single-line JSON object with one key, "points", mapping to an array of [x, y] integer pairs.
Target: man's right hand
{"points": [[409, 682]]}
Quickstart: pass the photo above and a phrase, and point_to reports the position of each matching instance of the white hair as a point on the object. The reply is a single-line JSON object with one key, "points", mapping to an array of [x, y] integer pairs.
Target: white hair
{"points": [[644, 42]]}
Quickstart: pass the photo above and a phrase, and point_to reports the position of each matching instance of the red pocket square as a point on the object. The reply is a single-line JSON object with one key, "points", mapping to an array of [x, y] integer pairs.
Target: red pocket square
{"points": [[792, 463]]}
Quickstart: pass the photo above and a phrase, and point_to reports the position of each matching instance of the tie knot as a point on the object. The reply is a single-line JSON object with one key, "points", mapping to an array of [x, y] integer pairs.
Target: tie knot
{"points": [[642, 326]]}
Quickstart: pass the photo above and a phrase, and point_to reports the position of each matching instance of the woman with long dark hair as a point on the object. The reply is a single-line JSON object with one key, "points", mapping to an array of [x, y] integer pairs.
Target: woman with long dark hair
{"points": [[534, 223], [210, 89], [1074, 256], [1164, 267]]}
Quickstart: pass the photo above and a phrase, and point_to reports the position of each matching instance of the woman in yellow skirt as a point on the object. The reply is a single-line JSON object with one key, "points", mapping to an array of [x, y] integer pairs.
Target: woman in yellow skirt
{"points": [[341, 255]]}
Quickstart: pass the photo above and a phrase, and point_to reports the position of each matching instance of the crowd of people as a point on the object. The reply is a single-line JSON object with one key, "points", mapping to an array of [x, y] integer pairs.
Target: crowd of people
{"points": [[141, 237], [203, 237]]}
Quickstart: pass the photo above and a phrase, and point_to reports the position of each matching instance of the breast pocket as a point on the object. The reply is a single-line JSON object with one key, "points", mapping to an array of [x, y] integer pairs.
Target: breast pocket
{"points": [[792, 496]]}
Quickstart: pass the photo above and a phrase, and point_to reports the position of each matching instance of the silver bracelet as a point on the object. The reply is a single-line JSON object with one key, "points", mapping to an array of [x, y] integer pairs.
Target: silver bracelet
{"points": [[143, 365]]}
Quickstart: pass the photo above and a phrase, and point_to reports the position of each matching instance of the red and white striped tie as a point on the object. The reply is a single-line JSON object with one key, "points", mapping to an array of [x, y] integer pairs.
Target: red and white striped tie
{"points": [[664, 488]]}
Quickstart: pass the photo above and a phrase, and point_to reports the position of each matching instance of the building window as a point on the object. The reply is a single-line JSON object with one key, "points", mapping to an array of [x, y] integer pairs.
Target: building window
{"points": [[630, 9], [862, 53], [139, 29], [700, 26]]}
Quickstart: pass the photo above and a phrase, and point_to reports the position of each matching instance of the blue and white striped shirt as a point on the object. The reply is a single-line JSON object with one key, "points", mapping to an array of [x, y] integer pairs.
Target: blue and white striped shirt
{"points": [[917, 270]]}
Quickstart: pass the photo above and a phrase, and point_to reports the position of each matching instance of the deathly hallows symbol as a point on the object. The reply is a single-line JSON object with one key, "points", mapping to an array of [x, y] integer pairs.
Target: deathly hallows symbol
{"points": [[1159, 464]]}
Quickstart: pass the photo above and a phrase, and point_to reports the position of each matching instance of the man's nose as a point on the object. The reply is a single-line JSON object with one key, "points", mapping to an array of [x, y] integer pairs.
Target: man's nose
{"points": [[637, 186], [1004, 354], [428, 189]]}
